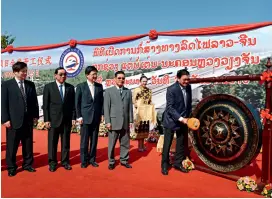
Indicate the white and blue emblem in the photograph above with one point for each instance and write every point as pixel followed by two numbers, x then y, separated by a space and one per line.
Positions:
pixel 72 61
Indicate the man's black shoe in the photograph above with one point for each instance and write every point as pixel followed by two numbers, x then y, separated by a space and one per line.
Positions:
pixel 30 169
pixel 111 166
pixel 52 168
pixel 84 165
pixel 67 166
pixel 164 171
pixel 94 164
pixel 12 173
pixel 128 166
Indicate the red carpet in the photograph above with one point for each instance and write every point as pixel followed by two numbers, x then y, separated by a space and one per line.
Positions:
pixel 143 180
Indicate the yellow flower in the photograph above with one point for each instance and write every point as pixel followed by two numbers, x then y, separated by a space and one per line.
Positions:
pixel 265 191
pixel 240 187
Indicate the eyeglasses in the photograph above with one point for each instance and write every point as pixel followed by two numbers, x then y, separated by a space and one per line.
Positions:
pixel 121 78
pixel 186 79
pixel 62 74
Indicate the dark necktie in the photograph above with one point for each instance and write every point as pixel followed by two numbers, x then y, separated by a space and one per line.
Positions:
pixel 23 94
pixel 61 92
pixel 120 92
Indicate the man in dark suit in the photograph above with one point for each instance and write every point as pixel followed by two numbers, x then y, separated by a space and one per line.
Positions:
pixel 89 111
pixel 178 109
pixel 59 116
pixel 19 110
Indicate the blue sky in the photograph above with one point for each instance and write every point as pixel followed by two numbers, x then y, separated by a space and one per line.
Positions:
pixel 38 22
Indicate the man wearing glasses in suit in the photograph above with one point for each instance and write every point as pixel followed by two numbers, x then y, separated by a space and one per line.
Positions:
pixel 118 113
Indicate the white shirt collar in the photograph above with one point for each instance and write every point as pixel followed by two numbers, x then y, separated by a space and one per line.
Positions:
pixel 19 81
pixel 89 83
pixel 182 88
pixel 119 87
pixel 59 83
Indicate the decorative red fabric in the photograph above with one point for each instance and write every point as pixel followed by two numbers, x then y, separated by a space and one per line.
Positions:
pixel 34 48
pixel 152 33
pixel 73 43
pixel 9 49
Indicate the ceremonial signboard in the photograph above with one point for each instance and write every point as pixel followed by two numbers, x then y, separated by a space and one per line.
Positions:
pixel 229 136
pixel 205 52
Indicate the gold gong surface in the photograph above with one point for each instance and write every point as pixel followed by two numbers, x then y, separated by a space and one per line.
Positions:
pixel 229 136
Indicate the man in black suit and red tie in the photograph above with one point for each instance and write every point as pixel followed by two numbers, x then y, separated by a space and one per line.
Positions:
pixel 178 108
pixel 19 110
pixel 89 110
pixel 59 116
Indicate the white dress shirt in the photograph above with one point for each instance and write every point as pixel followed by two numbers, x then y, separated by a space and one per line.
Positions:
pixel 91 87
pixel 19 83
pixel 118 88
pixel 63 87
pixel 183 89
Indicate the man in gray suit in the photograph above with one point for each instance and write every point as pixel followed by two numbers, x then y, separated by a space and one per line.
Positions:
pixel 118 113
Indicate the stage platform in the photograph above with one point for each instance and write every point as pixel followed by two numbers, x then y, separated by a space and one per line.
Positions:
pixel 143 180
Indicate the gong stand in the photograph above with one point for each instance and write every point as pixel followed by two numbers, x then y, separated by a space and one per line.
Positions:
pixel 266 176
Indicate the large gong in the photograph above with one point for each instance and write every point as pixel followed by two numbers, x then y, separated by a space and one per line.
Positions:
pixel 230 131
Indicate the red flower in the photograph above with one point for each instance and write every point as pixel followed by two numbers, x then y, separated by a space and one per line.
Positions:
pixel 266 76
pixel 72 43
pixel 9 48
pixel 265 115
pixel 268 187
pixel 153 34
pixel 189 163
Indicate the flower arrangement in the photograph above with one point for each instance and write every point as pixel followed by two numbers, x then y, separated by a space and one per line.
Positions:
pixel 267 191
pixel 246 184
pixel 75 128
pixel 40 125
pixel 103 131
pixel 133 135
pixel 153 137
pixel 188 164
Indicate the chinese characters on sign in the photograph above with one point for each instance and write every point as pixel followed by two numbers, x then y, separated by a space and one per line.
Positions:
pixel 33 61
pixel 30 73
